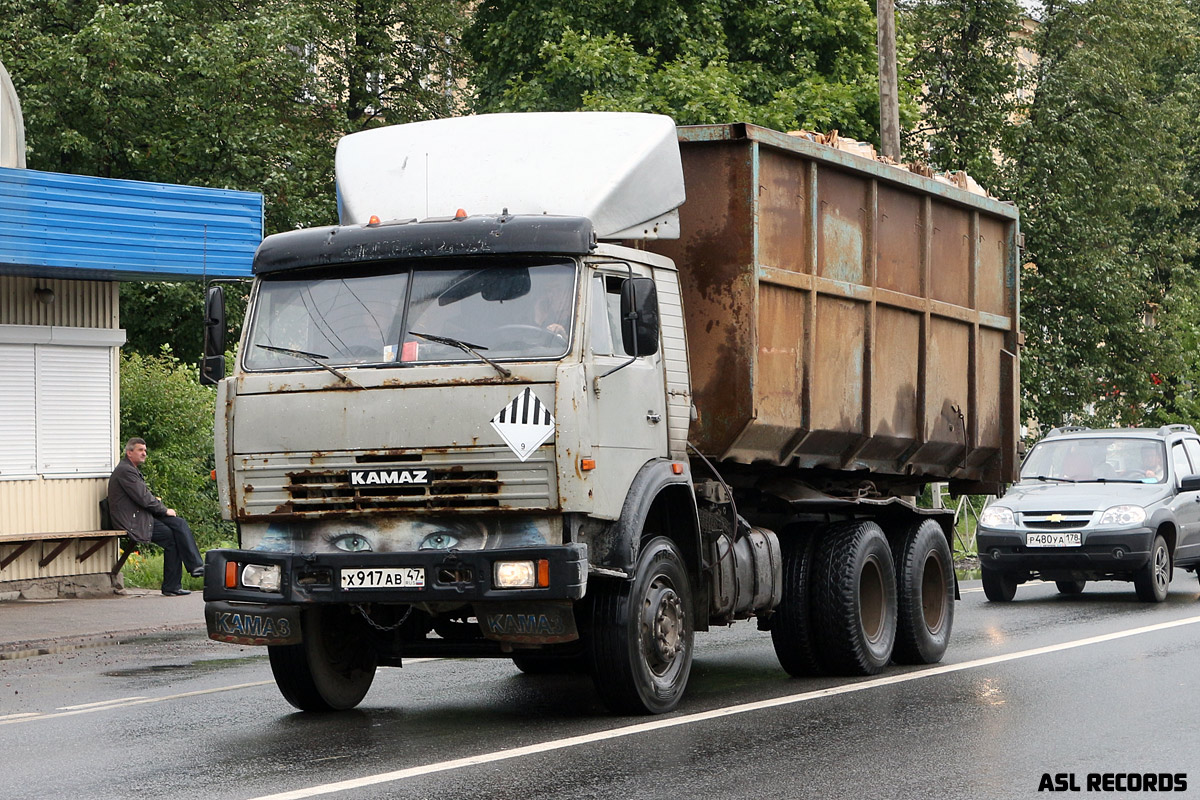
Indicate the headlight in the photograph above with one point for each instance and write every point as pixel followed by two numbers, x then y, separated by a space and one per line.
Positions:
pixel 997 517
pixel 1124 516
pixel 262 577
pixel 521 574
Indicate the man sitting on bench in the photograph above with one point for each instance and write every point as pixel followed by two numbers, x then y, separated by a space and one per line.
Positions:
pixel 144 517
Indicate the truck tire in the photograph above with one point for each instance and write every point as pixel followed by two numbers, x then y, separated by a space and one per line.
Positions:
pixel 1152 581
pixel 999 587
pixel 791 624
pixel 641 644
pixel 854 598
pixel 332 668
pixel 924 593
pixel 1070 587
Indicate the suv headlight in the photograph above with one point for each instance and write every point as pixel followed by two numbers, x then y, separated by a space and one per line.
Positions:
pixel 1125 516
pixel 997 517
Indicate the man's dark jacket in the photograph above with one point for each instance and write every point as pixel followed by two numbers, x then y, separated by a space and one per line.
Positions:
pixel 130 503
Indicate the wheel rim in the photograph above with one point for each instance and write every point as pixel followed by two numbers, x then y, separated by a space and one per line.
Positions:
pixel 1161 569
pixel 872 602
pixel 933 596
pixel 662 626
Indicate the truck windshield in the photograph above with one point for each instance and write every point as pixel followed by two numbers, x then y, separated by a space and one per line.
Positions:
pixel 502 312
pixel 1096 459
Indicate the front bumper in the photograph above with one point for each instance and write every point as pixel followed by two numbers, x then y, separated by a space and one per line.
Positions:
pixel 455 576
pixel 1103 552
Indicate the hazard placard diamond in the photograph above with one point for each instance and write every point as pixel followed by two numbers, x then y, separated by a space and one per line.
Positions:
pixel 524 424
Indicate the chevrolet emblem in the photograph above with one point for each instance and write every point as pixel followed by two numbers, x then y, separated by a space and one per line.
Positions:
pixel 1056 518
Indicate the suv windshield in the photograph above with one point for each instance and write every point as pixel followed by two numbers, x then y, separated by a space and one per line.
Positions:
pixel 514 311
pixel 1096 459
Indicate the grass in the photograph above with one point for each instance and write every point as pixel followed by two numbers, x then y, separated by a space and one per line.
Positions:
pixel 144 570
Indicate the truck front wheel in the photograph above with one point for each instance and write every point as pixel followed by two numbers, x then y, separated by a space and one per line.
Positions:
pixel 854 598
pixel 332 668
pixel 641 648
pixel 925 593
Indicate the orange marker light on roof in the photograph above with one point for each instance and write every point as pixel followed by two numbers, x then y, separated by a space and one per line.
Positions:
pixel 374 220
pixel 460 214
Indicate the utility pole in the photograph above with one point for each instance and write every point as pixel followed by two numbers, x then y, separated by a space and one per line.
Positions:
pixel 889 99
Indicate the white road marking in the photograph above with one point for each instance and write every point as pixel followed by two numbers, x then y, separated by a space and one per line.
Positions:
pixel 717 713
pixel 103 703
pixel 126 702
pixel 92 708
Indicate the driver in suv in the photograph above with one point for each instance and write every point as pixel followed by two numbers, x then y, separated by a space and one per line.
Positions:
pixel 1097 504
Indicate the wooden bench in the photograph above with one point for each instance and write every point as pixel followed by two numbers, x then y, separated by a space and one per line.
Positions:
pixel 24 541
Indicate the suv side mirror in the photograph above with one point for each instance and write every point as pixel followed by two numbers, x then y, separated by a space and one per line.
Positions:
pixel 639 316
pixel 212 368
pixel 1191 483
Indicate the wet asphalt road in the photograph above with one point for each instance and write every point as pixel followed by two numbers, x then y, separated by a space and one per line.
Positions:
pixel 1093 684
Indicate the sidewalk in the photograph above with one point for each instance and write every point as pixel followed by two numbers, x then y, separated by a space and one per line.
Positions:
pixel 38 627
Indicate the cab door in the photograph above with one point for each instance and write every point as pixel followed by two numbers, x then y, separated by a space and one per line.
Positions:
pixel 626 394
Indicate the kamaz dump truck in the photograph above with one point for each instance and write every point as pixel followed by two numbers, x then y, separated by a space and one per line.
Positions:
pixel 530 400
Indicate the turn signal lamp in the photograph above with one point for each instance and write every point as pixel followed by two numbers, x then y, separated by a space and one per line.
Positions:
pixel 231 574
pixel 263 577
pixel 587 464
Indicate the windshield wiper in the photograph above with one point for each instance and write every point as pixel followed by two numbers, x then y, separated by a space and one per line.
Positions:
pixel 1052 478
pixel 312 358
pixel 466 347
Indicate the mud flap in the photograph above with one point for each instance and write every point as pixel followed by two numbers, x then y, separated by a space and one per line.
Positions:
pixel 240 623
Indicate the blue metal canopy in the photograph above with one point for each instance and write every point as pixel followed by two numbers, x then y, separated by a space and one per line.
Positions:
pixel 76 226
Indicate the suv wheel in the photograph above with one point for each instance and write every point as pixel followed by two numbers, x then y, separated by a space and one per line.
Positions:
pixel 1152 580
pixel 999 587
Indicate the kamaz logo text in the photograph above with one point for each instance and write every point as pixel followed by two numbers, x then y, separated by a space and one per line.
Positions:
pixel 388 477
pixel 254 625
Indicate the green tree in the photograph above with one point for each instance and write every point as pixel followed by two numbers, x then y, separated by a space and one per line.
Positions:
pixel 1100 170
pixel 965 68
pixel 780 63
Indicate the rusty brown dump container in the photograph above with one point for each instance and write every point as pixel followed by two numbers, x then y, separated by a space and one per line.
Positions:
pixel 846 315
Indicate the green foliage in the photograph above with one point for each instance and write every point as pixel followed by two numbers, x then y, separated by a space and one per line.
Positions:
pixel 1107 214
pixel 163 403
pixel 965 64
pixel 780 63
pixel 235 94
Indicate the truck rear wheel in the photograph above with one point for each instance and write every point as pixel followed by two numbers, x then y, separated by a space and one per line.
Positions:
pixel 854 598
pixel 641 648
pixel 924 593
pixel 791 624
pixel 332 668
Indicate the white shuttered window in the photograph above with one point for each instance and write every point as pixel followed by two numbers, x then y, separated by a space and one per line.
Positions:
pixel 56 409
pixel 18 417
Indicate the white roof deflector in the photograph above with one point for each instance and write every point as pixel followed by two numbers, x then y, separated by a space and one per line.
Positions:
pixel 620 170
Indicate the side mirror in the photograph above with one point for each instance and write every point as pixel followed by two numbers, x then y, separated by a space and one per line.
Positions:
pixel 1190 484
pixel 639 316
pixel 212 368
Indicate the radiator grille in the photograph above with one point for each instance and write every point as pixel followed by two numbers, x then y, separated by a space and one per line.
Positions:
pixel 467 479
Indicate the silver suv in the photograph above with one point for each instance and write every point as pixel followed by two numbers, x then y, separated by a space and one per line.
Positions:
pixel 1097 504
